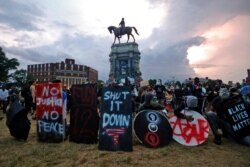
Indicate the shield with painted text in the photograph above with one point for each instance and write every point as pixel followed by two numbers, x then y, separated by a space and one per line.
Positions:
pixel 152 128
pixel 238 115
pixel 191 133
pixel 84 119
pixel 116 119
pixel 49 112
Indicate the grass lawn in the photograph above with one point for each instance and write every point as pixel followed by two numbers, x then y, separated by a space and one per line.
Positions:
pixel 33 153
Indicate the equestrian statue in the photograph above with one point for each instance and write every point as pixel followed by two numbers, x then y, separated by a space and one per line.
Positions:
pixel 122 30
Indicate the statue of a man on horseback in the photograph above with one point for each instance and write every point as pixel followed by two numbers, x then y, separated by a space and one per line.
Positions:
pixel 122 30
pixel 122 26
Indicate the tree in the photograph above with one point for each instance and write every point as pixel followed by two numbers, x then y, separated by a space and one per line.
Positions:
pixel 152 82
pixel 20 77
pixel 178 83
pixel 6 65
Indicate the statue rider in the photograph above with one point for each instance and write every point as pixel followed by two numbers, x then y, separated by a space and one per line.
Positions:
pixel 122 26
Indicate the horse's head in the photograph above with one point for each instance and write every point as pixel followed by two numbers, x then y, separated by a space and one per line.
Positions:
pixel 110 28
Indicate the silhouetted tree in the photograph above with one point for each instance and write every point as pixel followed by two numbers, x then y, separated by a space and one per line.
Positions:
pixel 178 83
pixel 6 65
pixel 21 77
pixel 152 82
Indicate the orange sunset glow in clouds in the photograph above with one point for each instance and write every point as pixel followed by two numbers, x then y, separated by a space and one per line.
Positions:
pixel 223 41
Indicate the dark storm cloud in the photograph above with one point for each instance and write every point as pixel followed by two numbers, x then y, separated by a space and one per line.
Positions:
pixel 166 61
pixel 36 55
pixel 163 54
pixel 92 51
pixel 19 15
pixel 184 20
pixel 87 50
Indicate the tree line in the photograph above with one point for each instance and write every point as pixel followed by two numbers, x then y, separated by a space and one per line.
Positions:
pixel 7 65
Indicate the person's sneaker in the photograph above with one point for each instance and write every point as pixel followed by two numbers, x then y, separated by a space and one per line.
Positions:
pixel 217 139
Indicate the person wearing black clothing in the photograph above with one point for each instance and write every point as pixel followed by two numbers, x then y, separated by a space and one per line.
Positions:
pixel 99 96
pixel 26 94
pixel 17 120
pixel 151 103
pixel 191 103
pixel 197 91
pixel 214 121
pixel 178 94
pixel 218 119
pixel 160 92
pixel 13 94
pixel 4 93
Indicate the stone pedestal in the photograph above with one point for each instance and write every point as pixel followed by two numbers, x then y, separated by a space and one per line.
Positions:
pixel 124 61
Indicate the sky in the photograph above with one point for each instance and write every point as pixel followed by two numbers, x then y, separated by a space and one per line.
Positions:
pixel 178 38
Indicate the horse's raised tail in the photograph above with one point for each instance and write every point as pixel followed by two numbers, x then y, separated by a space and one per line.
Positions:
pixel 135 30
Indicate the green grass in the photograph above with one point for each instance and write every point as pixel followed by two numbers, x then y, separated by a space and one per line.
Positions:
pixel 32 153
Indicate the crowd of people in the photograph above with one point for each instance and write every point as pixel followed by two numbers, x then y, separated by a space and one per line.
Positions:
pixel 24 95
pixel 168 99
pixel 198 96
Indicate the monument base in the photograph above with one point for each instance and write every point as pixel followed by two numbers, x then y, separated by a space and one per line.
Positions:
pixel 124 62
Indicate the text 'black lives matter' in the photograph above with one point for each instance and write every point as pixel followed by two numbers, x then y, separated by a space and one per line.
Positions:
pixel 238 114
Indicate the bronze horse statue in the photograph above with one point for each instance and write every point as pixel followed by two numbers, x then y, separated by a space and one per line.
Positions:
pixel 118 33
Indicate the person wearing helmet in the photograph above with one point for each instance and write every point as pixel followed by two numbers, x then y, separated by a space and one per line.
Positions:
pixel 151 103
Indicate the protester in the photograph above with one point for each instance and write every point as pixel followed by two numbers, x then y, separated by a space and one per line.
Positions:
pixel 4 93
pixel 26 94
pixel 151 103
pixel 223 92
pixel 143 91
pixel 160 91
pixel 13 94
pixel 111 82
pixel 17 121
pixel 245 92
pixel 169 100
pixel 99 97
pixel 68 94
pixel 218 119
pixel 189 103
pixel 197 91
pixel 33 94
pixel 178 95
pixel 134 95
pixel 244 83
